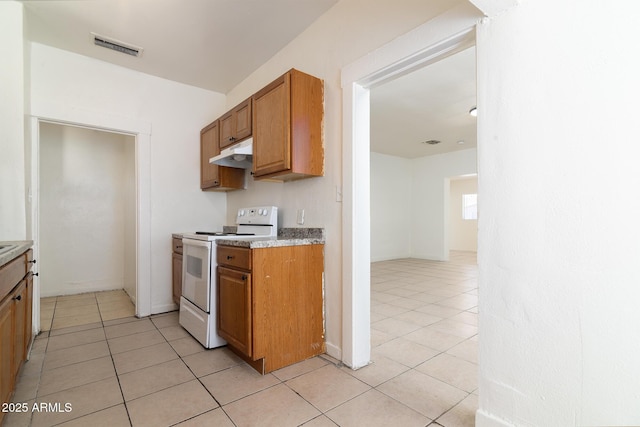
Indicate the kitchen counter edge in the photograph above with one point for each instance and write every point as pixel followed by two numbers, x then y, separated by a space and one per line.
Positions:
pixel 286 237
pixel 21 246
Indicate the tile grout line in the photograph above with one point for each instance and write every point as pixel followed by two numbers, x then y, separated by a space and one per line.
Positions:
pixel 433 422
pixel 110 355
pixel 124 402
pixel 195 376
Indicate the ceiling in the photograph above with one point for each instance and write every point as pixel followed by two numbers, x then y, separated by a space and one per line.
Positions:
pixel 432 103
pixel 216 44
pixel 212 44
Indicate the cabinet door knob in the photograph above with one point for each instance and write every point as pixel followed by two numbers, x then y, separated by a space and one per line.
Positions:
pixel 244 277
pixel 230 257
pixel 18 297
pixel 33 261
pixel 231 138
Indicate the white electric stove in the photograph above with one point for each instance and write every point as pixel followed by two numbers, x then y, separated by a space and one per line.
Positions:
pixel 198 301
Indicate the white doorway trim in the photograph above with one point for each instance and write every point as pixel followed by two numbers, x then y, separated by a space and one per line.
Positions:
pixel 142 134
pixel 445 35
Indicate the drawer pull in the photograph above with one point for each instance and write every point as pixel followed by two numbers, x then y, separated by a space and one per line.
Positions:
pixel 179 247
pixel 230 257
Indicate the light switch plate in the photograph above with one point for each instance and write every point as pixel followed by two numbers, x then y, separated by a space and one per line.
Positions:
pixel 300 219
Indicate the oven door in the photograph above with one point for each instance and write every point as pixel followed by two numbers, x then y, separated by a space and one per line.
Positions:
pixel 196 273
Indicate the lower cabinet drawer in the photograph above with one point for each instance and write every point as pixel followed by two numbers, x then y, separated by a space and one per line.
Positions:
pixel 233 256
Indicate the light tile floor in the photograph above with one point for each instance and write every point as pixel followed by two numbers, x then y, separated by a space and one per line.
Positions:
pixel 117 370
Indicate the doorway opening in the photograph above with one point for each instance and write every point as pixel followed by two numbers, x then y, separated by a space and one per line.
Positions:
pixel 423 297
pixel 438 39
pixel 132 202
pixel 87 211
pixel 463 213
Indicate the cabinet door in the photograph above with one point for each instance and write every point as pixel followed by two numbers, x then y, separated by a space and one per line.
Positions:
pixel 234 308
pixel 242 120
pixel 209 148
pixel 6 349
pixel 271 128
pixel 176 269
pixel 28 315
pixel 214 177
pixel 235 125
pixel 19 328
pixel 227 136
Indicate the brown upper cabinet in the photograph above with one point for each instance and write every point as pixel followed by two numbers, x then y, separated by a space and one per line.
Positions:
pixel 235 125
pixel 214 177
pixel 287 128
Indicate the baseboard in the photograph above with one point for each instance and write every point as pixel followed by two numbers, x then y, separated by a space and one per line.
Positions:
pixel 484 419
pixel 131 297
pixel 389 257
pixel 163 308
pixel 83 288
pixel 333 350
pixel 429 257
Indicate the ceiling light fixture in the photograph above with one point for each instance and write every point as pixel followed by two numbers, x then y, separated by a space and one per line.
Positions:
pixel 473 111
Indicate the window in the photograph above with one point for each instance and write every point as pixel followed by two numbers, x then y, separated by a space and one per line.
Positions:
pixel 469 206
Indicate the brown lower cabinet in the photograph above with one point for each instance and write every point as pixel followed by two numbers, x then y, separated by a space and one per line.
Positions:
pixel 270 303
pixel 176 269
pixel 15 320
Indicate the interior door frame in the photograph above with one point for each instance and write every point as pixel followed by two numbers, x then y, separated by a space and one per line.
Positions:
pixel 141 131
pixel 443 36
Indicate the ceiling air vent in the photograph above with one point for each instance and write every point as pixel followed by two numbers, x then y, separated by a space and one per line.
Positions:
pixel 116 45
pixel 432 142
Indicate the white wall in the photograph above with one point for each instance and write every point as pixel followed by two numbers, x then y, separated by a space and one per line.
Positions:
pixel 12 161
pixel 391 197
pixel 430 210
pixel 66 84
pixel 559 234
pixel 84 215
pixel 463 233
pixel 411 193
pixel 348 31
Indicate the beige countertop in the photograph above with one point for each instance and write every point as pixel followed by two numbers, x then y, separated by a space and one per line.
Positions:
pixel 11 249
pixel 268 242
pixel 286 237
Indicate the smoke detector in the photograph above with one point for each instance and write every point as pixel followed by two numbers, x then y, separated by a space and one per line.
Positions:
pixel 432 142
pixel 117 45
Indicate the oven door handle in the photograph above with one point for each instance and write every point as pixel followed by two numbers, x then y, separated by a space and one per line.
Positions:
pixel 192 242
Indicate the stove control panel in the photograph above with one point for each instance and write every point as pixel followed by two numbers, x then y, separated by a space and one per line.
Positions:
pixel 262 215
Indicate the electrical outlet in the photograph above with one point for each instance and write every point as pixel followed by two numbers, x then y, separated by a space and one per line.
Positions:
pixel 300 216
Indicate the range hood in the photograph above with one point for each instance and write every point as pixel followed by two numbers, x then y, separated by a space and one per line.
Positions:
pixel 237 156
